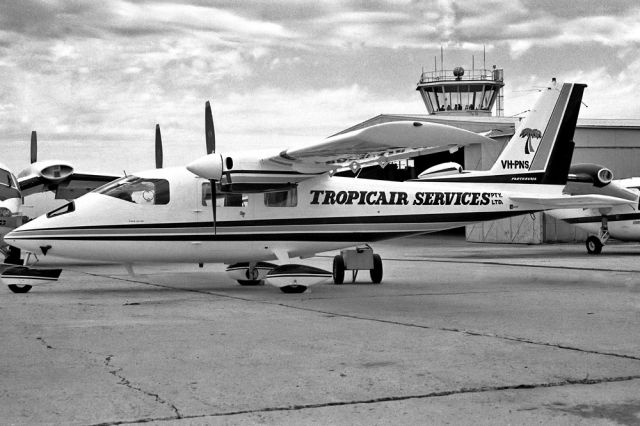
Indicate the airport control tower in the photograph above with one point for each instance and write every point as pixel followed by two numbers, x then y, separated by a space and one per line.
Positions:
pixel 459 92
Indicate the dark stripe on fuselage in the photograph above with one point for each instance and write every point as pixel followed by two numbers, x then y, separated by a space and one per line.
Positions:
pixel 533 177
pixel 598 219
pixel 399 219
pixel 303 236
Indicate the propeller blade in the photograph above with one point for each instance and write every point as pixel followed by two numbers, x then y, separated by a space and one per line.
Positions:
pixel 34 146
pixel 208 127
pixel 213 204
pixel 158 147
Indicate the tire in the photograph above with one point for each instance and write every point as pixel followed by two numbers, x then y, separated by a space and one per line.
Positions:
pixel 338 269
pixel 250 282
pixel 19 288
pixel 291 289
pixel 376 272
pixel 594 246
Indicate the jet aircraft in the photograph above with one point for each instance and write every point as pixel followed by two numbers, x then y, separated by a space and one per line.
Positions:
pixel 246 208
pixel 621 222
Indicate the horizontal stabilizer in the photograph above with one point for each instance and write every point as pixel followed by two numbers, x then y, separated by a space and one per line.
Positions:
pixel 572 201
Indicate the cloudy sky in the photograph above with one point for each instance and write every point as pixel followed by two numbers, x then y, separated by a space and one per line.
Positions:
pixel 95 77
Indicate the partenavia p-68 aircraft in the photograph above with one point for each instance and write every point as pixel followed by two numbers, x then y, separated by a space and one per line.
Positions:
pixel 290 204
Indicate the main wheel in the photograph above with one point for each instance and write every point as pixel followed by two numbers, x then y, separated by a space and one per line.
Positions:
pixel 250 282
pixel 338 269
pixel 594 246
pixel 293 289
pixel 19 288
pixel 376 272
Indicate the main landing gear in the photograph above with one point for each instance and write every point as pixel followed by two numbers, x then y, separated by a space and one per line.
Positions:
pixel 361 258
pixel 595 243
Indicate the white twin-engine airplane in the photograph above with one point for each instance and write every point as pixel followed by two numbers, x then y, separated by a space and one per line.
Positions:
pixel 290 204
pixel 40 176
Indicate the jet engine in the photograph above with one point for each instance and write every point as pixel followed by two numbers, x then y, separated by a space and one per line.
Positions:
pixel 598 176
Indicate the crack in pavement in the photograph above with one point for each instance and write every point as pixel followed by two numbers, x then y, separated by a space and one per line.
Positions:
pixel 44 342
pixel 383 321
pixel 117 372
pixel 461 391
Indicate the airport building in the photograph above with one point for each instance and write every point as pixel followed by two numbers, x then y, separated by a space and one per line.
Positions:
pixel 474 101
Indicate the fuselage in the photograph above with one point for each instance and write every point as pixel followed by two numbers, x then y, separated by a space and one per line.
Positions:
pixel 166 215
pixel 623 221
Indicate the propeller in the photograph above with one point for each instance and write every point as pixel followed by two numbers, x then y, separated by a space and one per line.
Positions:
pixel 158 147
pixel 34 146
pixel 210 138
pixel 208 127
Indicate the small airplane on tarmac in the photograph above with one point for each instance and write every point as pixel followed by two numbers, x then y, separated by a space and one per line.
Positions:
pixel 48 175
pixel 246 209
pixel 621 222
pixel 54 176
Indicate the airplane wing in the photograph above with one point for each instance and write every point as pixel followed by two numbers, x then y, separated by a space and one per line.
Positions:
pixel 65 183
pixel 377 144
pixel 572 201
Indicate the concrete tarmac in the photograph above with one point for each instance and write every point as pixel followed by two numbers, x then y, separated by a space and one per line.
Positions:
pixel 457 333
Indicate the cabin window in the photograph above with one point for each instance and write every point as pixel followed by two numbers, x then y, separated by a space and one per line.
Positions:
pixel 138 190
pixel 223 199
pixel 288 198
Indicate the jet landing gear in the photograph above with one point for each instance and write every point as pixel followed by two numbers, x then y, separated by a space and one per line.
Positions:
pixel 360 258
pixel 595 243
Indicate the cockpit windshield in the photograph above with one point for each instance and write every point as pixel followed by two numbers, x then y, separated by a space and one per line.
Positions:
pixel 138 190
pixel 8 186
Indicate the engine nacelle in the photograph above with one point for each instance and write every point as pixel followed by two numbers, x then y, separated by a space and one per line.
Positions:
pixel 595 174
pixel 209 167
pixel 52 171
pixel 443 169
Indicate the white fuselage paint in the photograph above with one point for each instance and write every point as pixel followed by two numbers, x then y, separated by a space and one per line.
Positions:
pixel 331 213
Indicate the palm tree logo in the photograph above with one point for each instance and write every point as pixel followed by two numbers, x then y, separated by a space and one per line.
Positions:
pixel 530 133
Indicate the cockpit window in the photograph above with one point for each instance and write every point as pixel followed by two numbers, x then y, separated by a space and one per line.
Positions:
pixel 8 186
pixel 138 190
pixel 67 208
pixel 5 178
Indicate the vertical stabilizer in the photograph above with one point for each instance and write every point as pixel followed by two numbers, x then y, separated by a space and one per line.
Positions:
pixel 540 151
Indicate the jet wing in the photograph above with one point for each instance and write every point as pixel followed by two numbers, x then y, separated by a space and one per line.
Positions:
pixel 379 144
pixel 572 201
pixel 68 187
